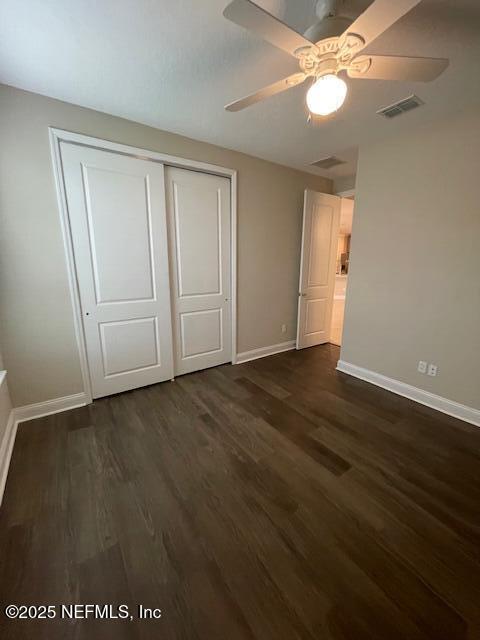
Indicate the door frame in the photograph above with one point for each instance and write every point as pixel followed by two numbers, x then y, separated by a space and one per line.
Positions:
pixel 57 136
pixel 348 193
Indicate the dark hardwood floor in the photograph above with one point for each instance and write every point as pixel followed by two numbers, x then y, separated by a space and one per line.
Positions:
pixel 277 499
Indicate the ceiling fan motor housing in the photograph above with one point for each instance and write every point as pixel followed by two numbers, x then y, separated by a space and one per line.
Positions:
pixel 329 55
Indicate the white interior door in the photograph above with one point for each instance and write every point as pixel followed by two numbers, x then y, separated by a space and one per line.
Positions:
pixel 199 220
pixel 116 207
pixel 321 219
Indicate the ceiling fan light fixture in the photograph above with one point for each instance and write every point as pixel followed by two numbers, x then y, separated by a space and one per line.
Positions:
pixel 330 46
pixel 326 95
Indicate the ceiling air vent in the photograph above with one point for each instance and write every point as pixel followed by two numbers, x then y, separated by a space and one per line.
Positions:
pixel 402 106
pixel 328 163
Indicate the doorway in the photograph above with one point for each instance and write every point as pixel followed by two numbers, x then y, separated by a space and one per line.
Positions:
pixel 321 219
pixel 324 266
pixel 341 269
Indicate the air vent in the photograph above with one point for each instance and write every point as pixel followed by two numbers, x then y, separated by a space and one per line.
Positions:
pixel 407 104
pixel 328 163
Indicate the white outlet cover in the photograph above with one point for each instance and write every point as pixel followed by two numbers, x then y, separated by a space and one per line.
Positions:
pixel 432 370
pixel 422 366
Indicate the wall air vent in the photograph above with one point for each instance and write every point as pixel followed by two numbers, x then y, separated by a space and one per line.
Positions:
pixel 402 106
pixel 328 163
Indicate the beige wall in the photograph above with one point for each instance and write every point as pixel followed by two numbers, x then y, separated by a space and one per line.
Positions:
pixel 414 283
pixel 36 319
pixel 345 183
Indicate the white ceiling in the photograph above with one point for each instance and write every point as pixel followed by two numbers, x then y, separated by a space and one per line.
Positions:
pixel 173 64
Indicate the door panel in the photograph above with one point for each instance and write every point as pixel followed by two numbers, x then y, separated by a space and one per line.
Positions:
pixel 321 219
pixel 121 252
pixel 315 316
pixel 201 332
pixel 319 254
pixel 197 236
pixel 198 209
pixel 139 345
pixel 116 207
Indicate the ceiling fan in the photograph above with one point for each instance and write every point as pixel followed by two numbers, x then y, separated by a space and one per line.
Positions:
pixel 330 46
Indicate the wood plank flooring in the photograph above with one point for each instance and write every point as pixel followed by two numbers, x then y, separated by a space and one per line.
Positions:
pixel 278 499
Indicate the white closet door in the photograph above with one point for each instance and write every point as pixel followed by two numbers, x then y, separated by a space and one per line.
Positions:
pixel 321 220
pixel 198 209
pixel 116 207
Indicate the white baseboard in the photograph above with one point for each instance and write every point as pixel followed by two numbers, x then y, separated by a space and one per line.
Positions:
pixel 254 354
pixel 40 409
pixel 30 412
pixel 455 409
pixel 6 448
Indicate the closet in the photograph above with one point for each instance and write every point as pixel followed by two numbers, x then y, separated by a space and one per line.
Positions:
pixel 152 255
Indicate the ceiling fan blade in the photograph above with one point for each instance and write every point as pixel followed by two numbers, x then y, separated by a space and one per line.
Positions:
pixel 266 92
pixel 378 17
pixel 250 16
pixel 398 68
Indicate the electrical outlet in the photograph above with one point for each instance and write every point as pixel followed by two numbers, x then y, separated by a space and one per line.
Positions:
pixel 284 328
pixel 432 370
pixel 422 366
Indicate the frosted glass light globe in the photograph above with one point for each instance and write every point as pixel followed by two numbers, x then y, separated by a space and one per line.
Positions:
pixel 326 95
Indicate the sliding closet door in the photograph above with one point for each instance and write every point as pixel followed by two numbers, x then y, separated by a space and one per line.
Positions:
pixel 116 207
pixel 198 209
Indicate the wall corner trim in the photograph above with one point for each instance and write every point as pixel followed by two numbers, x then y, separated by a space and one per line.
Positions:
pixel 254 354
pixel 6 449
pixel 450 407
